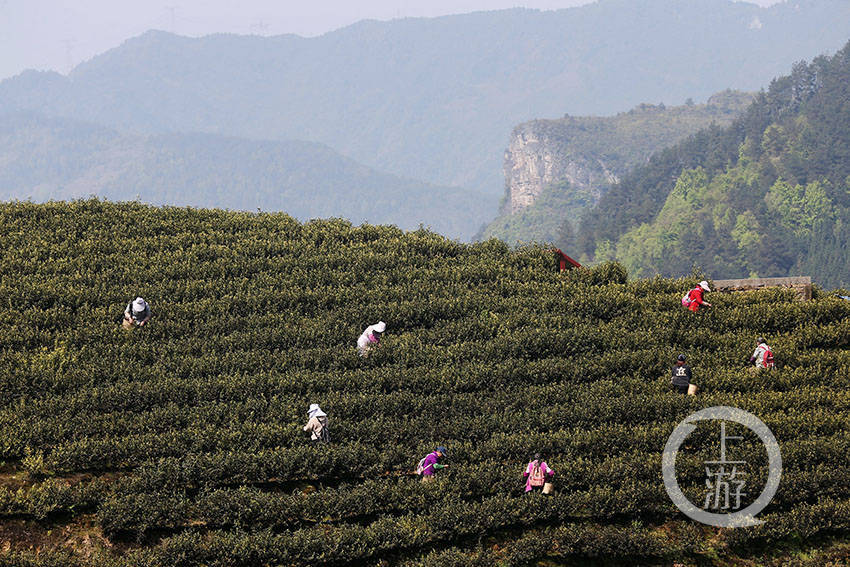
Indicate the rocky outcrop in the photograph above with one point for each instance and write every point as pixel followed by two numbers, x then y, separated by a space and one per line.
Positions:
pixel 536 159
pixel 556 170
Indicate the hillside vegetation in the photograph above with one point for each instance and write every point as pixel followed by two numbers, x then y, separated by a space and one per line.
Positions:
pixel 620 142
pixel 50 158
pixel 435 99
pixel 768 195
pixel 180 443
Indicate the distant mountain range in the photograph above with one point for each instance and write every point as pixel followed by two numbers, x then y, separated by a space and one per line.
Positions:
pixel 436 99
pixel 51 158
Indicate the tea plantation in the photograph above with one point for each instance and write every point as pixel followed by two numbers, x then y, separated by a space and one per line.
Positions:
pixel 180 443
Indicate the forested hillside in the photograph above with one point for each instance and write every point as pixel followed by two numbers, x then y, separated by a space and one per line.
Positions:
pixel 436 99
pixel 767 196
pixel 43 158
pixel 564 165
pixel 180 444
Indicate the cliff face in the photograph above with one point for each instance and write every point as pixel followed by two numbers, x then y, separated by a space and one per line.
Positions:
pixel 556 170
pixel 535 159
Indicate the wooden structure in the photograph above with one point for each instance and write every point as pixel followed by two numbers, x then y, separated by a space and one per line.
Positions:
pixel 565 262
pixel 802 285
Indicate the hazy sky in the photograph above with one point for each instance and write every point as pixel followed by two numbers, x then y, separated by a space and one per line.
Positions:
pixel 58 34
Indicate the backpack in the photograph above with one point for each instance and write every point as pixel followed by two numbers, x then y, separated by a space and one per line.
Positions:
pixel 537 478
pixel 767 357
pixel 686 300
pixel 324 434
pixel 420 466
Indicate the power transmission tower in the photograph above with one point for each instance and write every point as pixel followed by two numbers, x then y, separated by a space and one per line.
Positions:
pixel 69 44
pixel 260 27
pixel 172 10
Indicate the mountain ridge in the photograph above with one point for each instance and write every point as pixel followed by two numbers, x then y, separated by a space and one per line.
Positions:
pixel 51 158
pixel 556 169
pixel 435 98
pixel 768 195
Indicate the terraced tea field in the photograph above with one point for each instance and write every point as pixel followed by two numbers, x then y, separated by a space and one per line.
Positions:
pixel 180 443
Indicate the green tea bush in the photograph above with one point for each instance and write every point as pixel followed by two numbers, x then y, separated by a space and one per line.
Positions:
pixel 183 438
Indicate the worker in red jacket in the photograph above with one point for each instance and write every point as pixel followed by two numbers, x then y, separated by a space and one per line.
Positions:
pixel 694 299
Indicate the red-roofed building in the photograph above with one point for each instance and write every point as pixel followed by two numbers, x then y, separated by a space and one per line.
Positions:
pixel 565 262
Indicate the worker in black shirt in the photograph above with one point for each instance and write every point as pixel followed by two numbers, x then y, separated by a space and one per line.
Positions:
pixel 681 375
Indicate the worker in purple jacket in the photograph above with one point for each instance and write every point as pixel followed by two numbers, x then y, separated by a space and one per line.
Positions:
pixel 430 464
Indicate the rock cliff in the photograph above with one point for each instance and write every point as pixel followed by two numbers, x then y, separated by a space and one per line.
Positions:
pixel 556 169
pixel 536 158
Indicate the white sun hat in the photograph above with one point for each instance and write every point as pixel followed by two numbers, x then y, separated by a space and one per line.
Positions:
pixel 139 304
pixel 381 327
pixel 704 285
pixel 315 411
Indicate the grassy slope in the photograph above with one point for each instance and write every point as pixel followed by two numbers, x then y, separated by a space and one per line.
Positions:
pixel 181 442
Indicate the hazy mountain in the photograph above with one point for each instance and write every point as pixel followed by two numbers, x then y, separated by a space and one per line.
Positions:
pixel 436 99
pixel 43 159
pixel 768 195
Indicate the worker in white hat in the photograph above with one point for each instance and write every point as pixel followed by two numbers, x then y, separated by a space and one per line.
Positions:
pixel 317 424
pixel 370 338
pixel 693 300
pixel 137 313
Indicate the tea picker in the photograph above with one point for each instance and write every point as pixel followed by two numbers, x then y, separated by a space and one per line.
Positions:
pixel 429 464
pixel 535 475
pixel 137 313
pixel 681 379
pixel 693 300
pixel 370 338
pixel 317 425
pixel 763 355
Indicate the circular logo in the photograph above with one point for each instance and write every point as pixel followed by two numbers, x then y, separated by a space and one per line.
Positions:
pixel 741 518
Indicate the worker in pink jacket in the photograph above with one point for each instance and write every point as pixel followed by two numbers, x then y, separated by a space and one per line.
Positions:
pixel 537 473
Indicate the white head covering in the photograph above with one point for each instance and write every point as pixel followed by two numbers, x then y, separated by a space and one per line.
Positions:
pixel 315 411
pixel 380 327
pixel 704 285
pixel 139 305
